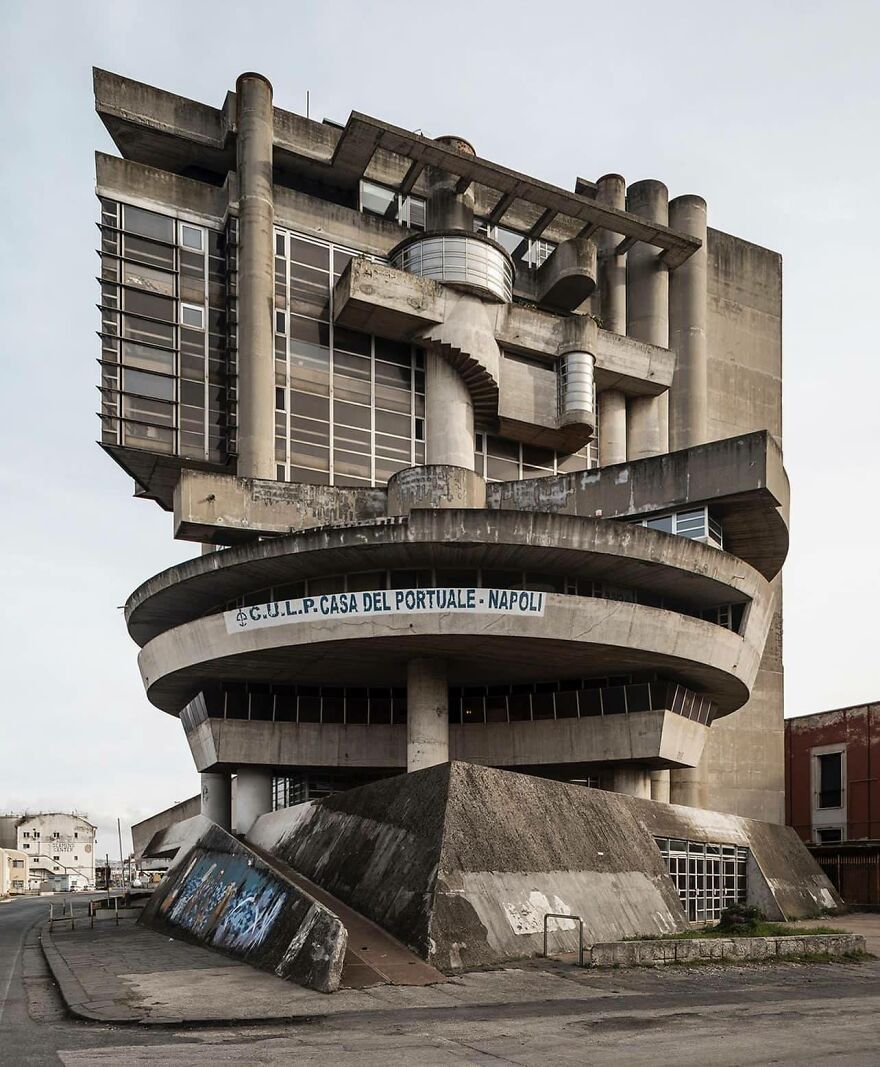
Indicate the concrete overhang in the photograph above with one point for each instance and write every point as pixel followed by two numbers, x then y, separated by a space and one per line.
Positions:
pixel 741 478
pixel 658 739
pixel 153 126
pixel 684 571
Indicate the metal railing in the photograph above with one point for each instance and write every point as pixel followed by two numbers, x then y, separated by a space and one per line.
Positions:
pixel 573 918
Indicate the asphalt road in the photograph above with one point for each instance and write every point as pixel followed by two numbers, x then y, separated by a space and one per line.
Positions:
pixel 709 1017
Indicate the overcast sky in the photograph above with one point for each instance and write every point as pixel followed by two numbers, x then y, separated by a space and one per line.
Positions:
pixel 769 111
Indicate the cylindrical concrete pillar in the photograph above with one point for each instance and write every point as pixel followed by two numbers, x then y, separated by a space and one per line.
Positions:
pixel 688 785
pixel 216 798
pixel 660 786
pixel 449 209
pixel 633 779
pixel 647 316
pixel 253 797
pixel 449 415
pixel 427 714
pixel 256 293
pixel 611 191
pixel 689 397
pixel 612 427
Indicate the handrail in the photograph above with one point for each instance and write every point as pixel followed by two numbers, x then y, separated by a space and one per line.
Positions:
pixel 574 918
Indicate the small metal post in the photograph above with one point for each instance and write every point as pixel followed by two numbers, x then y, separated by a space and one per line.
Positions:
pixel 573 918
pixel 116 908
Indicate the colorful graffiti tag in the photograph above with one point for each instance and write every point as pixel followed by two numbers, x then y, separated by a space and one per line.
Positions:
pixel 224 901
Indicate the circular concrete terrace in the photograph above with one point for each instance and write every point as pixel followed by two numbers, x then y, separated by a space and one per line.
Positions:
pixel 178 615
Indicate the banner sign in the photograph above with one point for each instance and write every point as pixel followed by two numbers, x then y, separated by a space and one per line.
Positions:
pixel 387 602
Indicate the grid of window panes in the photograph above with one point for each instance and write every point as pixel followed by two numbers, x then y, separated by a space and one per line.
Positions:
pixel 287 791
pixel 698 524
pixel 524 250
pixel 527 702
pixel 164 363
pixel 499 459
pixel 376 199
pixel 708 877
pixel 349 407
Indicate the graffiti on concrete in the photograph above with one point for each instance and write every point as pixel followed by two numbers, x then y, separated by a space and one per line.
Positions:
pixel 224 901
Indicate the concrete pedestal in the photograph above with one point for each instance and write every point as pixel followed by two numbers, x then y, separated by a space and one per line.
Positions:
pixel 217 799
pixel 427 714
pixel 253 798
pixel 632 779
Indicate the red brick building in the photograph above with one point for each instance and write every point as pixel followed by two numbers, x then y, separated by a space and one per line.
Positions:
pixel 832 795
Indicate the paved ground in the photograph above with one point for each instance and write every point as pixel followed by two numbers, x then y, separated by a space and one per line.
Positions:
pixel 799 1016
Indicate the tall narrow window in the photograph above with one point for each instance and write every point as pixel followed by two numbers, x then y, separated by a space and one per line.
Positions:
pixel 830 780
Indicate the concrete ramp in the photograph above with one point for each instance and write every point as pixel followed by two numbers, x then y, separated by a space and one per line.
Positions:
pixel 222 894
pixel 372 955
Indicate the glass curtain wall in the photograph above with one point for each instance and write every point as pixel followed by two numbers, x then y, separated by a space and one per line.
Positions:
pixel 164 363
pixel 349 408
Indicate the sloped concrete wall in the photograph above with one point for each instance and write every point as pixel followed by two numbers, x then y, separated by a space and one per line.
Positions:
pixel 784 879
pixel 376 848
pixel 221 894
pixel 462 862
pixel 517 847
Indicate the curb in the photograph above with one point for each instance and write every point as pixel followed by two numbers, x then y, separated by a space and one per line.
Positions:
pixel 76 999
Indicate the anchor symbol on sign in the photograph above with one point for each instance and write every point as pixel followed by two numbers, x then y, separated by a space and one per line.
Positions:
pixel 241 617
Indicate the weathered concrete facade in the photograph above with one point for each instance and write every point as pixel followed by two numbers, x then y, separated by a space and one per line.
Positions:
pixel 491 469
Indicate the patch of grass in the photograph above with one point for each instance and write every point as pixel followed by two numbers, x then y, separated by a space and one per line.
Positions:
pixel 761 929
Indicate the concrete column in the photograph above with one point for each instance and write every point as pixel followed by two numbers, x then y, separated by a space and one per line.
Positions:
pixel 256 292
pixel 449 209
pixel 449 415
pixel 633 779
pixel 612 427
pixel 660 786
pixel 688 786
pixel 253 797
pixel 427 714
pixel 688 397
pixel 611 191
pixel 647 316
pixel 217 799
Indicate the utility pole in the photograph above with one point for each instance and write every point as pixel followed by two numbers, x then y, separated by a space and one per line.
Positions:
pixel 121 860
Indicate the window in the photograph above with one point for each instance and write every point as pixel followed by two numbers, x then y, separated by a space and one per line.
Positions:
pixel 708 877
pixel 532 252
pixel 191 237
pixel 826 835
pixel 830 780
pixel 26 833
pixel 697 524
pixel 190 315
pixel 380 200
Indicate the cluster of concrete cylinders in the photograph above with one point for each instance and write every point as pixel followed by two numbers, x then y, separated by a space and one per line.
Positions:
pixel 639 297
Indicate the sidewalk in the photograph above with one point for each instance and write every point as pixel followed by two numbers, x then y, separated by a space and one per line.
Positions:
pixel 127 974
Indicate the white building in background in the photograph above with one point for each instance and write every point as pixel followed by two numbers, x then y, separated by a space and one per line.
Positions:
pixel 60 848
pixel 13 872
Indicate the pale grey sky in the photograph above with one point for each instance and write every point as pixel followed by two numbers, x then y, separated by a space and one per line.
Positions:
pixel 769 111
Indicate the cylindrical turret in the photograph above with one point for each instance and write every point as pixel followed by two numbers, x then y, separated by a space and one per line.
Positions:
pixel 688 397
pixel 256 357
pixel 449 415
pixel 647 316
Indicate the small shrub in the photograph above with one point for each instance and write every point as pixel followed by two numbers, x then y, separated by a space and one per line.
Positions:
pixel 742 919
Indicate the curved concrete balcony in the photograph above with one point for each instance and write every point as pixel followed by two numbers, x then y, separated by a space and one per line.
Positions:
pixel 568 277
pixel 188 639
pixel 465 261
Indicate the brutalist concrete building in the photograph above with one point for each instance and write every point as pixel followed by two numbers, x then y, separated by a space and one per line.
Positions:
pixel 483 469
